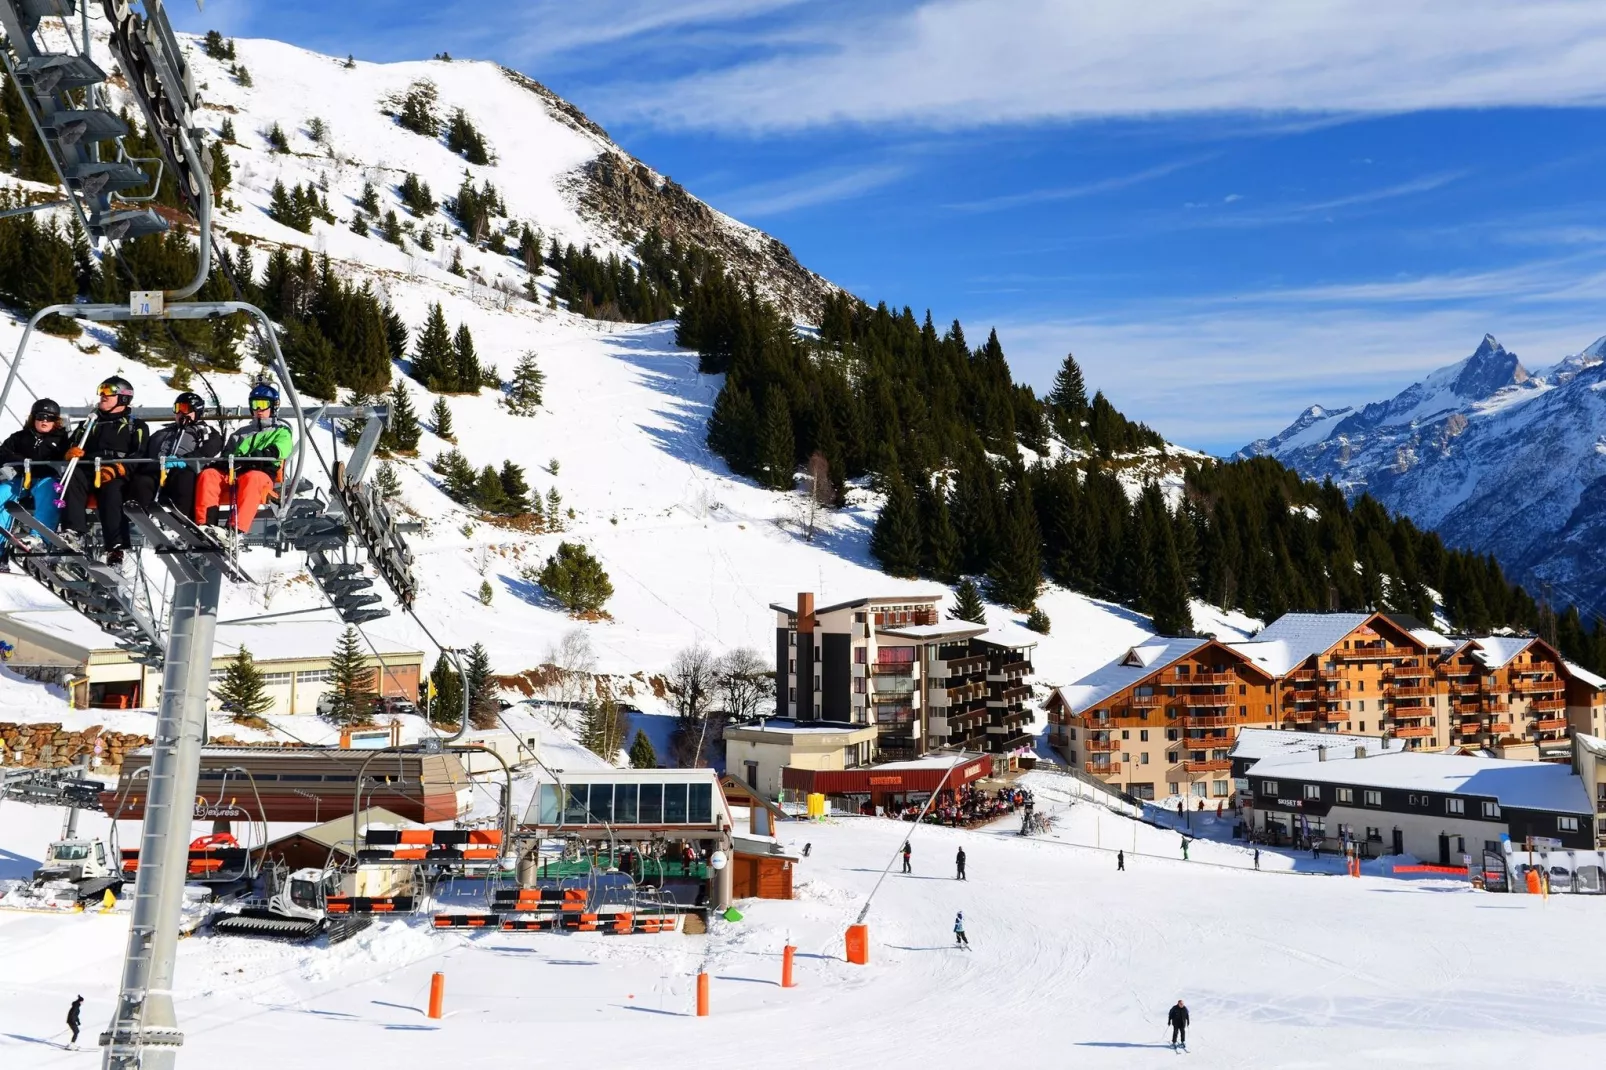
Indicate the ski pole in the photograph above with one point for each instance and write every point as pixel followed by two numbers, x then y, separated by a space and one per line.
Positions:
pixel 61 488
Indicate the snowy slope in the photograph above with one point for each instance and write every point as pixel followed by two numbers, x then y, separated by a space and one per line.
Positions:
pixel 694 554
pixel 1491 456
pixel 1072 964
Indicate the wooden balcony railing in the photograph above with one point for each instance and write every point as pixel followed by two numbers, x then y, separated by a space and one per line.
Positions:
pixel 1104 745
pixel 1215 765
pixel 1147 702
pixel 1104 768
pixel 1206 720
pixel 1551 724
pixel 1537 686
pixel 1199 679
pixel 1208 701
pixel 892 668
pixel 1548 704
pixel 1370 653
pixel 1500 728
pixel 1408 692
pixel 1406 672
pixel 1413 731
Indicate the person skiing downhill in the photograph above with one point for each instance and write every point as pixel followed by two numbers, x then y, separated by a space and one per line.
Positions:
pixel 960 939
pixel 1179 1026
pixel 906 852
pixel 959 863
pixel 73 1019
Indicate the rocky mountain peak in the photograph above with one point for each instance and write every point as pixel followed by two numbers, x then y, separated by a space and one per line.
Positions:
pixel 1490 369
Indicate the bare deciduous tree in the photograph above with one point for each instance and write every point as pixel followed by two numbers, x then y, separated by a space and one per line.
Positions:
pixel 818 493
pixel 693 684
pixel 744 683
pixel 575 663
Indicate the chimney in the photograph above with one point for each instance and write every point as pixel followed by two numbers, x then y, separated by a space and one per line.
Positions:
pixel 1321 753
pixel 805 612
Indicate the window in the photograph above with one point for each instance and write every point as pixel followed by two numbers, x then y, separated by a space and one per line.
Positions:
pixel 674 804
pixel 624 798
pixel 1373 798
pixel 1362 705
pixel 791 667
pixel 1268 788
pixel 1243 711
pixel 699 804
pixel 860 653
pixel 1566 824
pixel 1143 759
pixel 1126 733
pixel 1199 789
pixel 315 676
pixel 1491 810
pixel 1374 834
pixel 1313 791
pixel 791 639
pixel 1344 795
pixel 601 803
pixel 1455 806
pixel 791 694
pixel 1143 735
pixel 1173 788
pixel 1171 756
pixel 1219 789
pixel 652 804
pixel 858 685
pixel 1491 845
pixel 1171 734
pixel 1363 726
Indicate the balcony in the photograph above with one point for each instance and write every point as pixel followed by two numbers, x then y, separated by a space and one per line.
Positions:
pixel 1411 713
pixel 1207 701
pixel 1200 679
pixel 1215 765
pixel 1104 745
pixel 1548 704
pixel 1104 768
pixel 1408 692
pixel 1206 720
pixel 892 668
pixel 1463 689
pixel 1406 672
pixel 1147 702
pixel 1305 676
pixel 1551 724
pixel 1414 731
pixel 1500 728
pixel 1018 693
pixel 1374 653
pixel 1537 686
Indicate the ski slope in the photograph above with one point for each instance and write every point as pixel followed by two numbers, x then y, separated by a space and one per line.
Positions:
pixel 1071 964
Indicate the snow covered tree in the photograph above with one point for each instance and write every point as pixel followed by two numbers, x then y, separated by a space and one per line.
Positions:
pixel 576 579
pixel 967 603
pixel 440 418
pixel 525 391
pixel 895 540
pixel 241 693
pixel 403 433
pixel 642 756
pixel 352 692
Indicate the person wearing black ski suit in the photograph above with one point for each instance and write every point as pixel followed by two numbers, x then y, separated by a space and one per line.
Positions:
pixel 1179 1024
pixel 187 436
pixel 117 436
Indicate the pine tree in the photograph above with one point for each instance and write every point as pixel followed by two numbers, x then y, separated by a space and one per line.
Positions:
pixel 777 449
pixel 386 482
pixel 440 419
pixel 434 361
pixel 525 391
pixel 642 755
pixel 1069 400
pixel 1037 621
pixel 482 705
pixel 369 201
pixel 391 228
pixel 352 681
pixel 488 491
pixel 418 110
pixel 575 579
pixel 463 139
pixel 213 45
pixel 226 131
pixel 515 491
pixel 967 603
pixel 396 334
pixel 1017 570
pixel 359 225
pixel 486 592
pixel 403 433
pixel 469 373
pixel 458 478
pixel 241 692
pixel 733 429
pixel 456 266
pixel 895 541
pixel 277 142
pixel 939 554
pixel 426 238
pixel 554 509
pixel 317 130
pixel 446 707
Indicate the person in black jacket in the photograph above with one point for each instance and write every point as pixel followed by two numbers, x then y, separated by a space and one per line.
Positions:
pixel 189 435
pixel 28 465
pixel 115 437
pixel 959 862
pixel 906 868
pixel 73 1021
pixel 1179 1025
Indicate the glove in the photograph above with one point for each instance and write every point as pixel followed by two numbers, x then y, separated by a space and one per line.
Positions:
pixel 174 462
pixel 8 473
pixel 74 452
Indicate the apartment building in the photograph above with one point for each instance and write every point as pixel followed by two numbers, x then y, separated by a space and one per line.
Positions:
pixel 1161 719
pixel 893 663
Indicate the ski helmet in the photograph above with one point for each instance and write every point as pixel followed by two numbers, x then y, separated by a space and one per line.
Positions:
pixel 189 403
pixel 44 409
pixel 117 387
pixel 264 392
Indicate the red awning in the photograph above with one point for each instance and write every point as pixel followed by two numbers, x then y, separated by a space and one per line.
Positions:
pixel 894 779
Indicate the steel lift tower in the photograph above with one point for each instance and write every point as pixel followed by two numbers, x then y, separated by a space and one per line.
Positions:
pixel 47 52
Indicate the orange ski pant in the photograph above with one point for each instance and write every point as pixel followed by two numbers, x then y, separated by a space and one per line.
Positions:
pixel 251 489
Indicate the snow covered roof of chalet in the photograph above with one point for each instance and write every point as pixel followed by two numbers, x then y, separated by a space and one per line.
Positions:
pixel 1140 661
pixel 1293 637
pixel 948 629
pixel 1525 785
pixel 1583 675
pixel 1009 635
pixel 1257 744
pixel 1436 641
pixel 1498 650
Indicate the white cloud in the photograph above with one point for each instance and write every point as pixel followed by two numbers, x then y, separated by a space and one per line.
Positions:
pixel 963 63
pixel 808 190
pixel 1085 189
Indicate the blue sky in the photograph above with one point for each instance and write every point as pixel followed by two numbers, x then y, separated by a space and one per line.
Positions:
pixel 1227 209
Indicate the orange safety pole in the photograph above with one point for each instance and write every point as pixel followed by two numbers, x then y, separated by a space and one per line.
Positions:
pixel 702 995
pixel 437 994
pixel 786 967
pixel 859 945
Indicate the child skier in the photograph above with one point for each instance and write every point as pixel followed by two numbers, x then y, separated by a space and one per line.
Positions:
pixel 960 939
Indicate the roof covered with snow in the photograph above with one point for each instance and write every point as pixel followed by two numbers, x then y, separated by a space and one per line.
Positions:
pixel 948 629
pixel 1583 675
pixel 1524 785
pixel 1137 663
pixel 1496 651
pixel 1293 637
pixel 1009 635
pixel 1257 744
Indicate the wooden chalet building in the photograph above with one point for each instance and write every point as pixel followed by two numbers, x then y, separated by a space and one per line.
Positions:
pixel 1362 673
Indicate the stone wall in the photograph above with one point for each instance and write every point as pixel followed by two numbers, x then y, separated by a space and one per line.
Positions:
pixel 50 746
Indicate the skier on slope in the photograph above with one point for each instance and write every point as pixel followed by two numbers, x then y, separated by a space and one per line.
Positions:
pixel 73 1019
pixel 1184 848
pixel 959 863
pixel 960 939
pixel 1179 1026
pixel 906 852
pixel 1257 858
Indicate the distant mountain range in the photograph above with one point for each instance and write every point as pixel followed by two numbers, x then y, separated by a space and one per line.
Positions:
pixel 1489 454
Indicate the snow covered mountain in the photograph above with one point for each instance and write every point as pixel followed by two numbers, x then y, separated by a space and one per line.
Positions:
pixel 1487 453
pixel 695 554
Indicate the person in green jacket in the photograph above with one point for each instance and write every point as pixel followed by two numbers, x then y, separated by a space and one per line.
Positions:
pixel 251 461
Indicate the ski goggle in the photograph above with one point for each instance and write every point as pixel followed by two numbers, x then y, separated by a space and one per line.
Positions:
pixel 261 405
pixel 184 408
pixel 106 390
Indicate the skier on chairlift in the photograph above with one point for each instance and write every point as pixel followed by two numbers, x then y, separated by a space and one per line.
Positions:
pixel 249 465
pixel 188 436
pixel 112 435
pixel 31 453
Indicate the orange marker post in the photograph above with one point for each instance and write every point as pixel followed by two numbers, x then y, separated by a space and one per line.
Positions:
pixel 859 945
pixel 786 967
pixel 437 994
pixel 702 995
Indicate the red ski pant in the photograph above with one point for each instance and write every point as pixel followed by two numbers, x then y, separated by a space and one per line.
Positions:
pixel 250 490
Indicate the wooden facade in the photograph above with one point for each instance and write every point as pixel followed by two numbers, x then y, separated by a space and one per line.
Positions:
pixel 761 876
